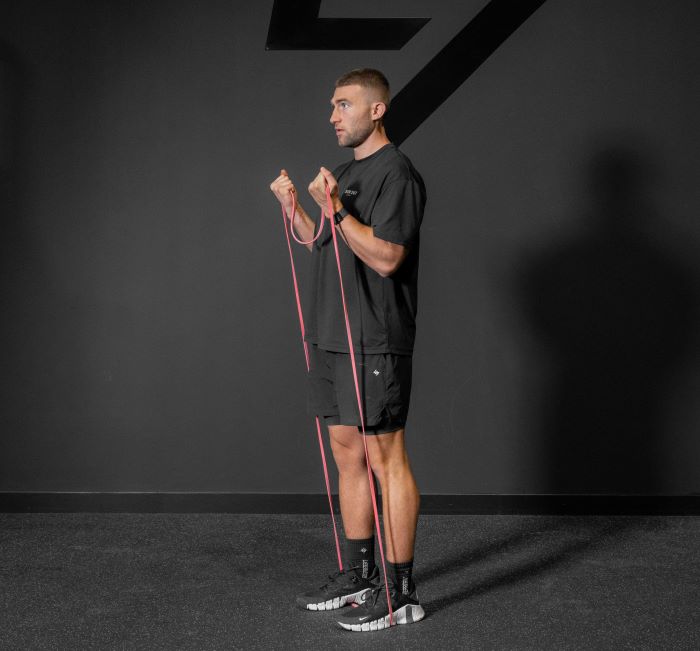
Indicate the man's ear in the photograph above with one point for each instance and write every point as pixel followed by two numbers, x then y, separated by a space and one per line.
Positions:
pixel 378 110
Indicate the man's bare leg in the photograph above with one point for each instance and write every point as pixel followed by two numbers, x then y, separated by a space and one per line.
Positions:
pixel 400 496
pixel 349 587
pixel 353 482
pixel 400 499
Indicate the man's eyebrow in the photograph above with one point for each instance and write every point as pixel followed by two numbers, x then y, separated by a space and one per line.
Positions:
pixel 340 99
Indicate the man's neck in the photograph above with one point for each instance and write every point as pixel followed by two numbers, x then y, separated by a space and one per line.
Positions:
pixel 373 143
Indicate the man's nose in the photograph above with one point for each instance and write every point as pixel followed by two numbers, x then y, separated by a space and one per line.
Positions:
pixel 334 116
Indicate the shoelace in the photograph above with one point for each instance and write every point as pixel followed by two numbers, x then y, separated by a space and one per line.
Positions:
pixel 333 578
pixel 371 601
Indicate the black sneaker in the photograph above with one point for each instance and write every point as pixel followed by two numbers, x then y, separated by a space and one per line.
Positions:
pixel 343 588
pixel 373 614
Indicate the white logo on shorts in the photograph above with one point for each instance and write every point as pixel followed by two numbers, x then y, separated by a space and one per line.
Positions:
pixel 376 372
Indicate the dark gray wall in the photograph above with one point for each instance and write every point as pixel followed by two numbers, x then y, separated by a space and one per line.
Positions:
pixel 149 335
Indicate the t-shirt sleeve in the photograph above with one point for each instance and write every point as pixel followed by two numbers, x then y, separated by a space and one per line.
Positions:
pixel 398 212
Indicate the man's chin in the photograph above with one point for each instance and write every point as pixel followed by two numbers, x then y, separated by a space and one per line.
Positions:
pixel 346 142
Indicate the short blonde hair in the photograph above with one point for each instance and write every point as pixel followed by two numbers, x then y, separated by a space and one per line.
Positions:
pixel 367 78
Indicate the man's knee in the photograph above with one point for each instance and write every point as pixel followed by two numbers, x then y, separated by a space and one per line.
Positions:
pixel 348 449
pixel 387 454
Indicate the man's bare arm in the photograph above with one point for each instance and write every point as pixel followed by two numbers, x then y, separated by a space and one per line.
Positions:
pixel 381 256
pixel 283 188
pixel 303 225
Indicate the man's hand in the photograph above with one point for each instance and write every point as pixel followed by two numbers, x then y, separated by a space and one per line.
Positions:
pixel 281 188
pixel 317 190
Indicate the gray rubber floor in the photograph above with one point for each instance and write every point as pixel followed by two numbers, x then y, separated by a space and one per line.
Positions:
pixel 212 581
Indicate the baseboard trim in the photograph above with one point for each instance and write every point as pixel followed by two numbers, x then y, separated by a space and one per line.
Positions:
pixel 197 502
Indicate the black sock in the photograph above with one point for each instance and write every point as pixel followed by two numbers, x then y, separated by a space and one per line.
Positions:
pixel 400 576
pixel 360 554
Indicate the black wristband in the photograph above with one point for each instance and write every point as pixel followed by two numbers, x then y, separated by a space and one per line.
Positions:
pixel 340 215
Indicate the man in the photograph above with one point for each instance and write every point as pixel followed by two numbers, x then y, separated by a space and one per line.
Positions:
pixel 378 201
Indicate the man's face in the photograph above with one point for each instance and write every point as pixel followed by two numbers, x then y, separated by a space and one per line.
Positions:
pixel 352 115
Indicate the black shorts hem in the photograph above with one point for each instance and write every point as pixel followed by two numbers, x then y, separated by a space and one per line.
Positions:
pixel 370 430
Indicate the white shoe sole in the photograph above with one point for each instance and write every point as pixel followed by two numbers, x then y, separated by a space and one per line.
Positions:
pixel 405 615
pixel 339 602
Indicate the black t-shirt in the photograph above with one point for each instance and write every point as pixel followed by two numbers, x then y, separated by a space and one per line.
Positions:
pixel 386 192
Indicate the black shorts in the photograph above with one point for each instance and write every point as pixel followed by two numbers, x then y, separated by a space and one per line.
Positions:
pixel 385 389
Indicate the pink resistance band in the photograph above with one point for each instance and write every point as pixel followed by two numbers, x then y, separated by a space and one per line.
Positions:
pixel 287 228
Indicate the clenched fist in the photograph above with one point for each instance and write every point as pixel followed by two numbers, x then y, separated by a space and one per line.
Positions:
pixel 317 189
pixel 282 187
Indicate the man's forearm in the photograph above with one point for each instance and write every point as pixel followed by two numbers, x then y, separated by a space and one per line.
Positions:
pixel 303 225
pixel 381 256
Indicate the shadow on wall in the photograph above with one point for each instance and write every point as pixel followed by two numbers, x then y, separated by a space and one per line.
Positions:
pixel 10 85
pixel 16 254
pixel 12 249
pixel 23 276
pixel 614 310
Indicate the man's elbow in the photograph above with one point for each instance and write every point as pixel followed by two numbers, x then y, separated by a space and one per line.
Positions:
pixel 389 268
pixel 391 260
